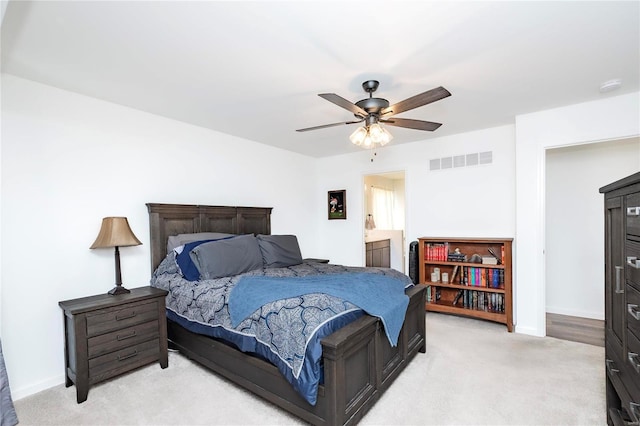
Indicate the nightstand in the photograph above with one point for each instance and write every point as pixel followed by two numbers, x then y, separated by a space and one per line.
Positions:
pixel 106 336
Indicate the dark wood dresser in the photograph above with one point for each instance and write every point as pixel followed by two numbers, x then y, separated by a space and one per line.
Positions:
pixel 622 300
pixel 107 335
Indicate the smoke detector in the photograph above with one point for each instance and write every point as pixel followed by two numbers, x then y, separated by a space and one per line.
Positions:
pixel 611 85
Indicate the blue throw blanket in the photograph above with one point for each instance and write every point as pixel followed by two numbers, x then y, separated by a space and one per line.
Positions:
pixel 378 295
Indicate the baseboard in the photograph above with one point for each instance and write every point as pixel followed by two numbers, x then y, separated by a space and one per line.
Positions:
pixel 26 391
pixel 531 331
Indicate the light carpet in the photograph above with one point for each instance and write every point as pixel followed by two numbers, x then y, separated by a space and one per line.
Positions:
pixel 474 373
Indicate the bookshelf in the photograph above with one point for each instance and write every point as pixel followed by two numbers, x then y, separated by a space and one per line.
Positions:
pixel 468 276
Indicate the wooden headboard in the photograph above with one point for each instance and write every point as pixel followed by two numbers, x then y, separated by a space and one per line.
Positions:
pixel 173 219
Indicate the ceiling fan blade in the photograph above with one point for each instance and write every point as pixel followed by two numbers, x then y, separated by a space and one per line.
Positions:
pixel 412 124
pixel 416 101
pixel 342 102
pixel 329 125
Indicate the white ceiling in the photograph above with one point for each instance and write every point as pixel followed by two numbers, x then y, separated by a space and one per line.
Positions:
pixel 254 69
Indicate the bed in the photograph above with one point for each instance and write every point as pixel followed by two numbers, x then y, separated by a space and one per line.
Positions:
pixel 358 361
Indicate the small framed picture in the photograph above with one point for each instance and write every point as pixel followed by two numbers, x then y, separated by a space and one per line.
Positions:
pixel 337 204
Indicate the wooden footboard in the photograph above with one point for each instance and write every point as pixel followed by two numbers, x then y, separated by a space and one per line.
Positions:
pixel 359 365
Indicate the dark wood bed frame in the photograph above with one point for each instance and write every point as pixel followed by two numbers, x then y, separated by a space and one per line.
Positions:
pixel 359 362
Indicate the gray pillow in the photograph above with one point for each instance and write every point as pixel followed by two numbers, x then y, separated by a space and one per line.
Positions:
pixel 279 251
pixel 224 258
pixel 182 239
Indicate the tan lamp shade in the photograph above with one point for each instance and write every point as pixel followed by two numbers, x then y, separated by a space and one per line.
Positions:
pixel 115 232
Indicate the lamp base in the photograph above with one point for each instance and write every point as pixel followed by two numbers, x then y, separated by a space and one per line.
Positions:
pixel 118 290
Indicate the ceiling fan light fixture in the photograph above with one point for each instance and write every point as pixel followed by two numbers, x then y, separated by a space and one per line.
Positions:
pixel 369 136
pixel 379 135
pixel 358 137
pixel 367 141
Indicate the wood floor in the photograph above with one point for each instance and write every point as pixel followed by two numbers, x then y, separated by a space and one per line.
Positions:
pixel 584 330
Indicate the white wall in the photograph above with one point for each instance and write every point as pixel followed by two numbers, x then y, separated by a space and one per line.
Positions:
pixel 475 201
pixel 574 218
pixel 70 160
pixel 607 119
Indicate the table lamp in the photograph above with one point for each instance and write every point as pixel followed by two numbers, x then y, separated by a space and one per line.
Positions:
pixel 115 232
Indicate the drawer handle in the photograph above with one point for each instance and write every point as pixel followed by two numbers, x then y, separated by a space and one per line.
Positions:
pixel 633 310
pixel 619 271
pixel 126 336
pixel 634 359
pixel 611 366
pixel 131 355
pixel 633 211
pixel 633 262
pixel 634 409
pixel 131 315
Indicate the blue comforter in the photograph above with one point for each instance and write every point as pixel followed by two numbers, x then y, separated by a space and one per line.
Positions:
pixel 287 332
pixel 378 295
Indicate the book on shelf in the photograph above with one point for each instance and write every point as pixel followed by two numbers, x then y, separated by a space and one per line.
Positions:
pixel 481 277
pixel 458 296
pixel 480 301
pixel 436 251
pixel 453 274
pixel 489 260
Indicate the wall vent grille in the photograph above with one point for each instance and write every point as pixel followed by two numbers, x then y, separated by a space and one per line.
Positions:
pixel 464 160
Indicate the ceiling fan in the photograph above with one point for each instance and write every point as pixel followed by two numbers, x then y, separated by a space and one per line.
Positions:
pixel 373 111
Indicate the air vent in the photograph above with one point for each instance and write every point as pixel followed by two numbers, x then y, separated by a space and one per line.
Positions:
pixel 458 161
pixel 464 160
pixel 486 157
pixel 472 159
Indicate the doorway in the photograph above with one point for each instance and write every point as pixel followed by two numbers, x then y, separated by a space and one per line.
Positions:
pixel 384 213
pixel 574 234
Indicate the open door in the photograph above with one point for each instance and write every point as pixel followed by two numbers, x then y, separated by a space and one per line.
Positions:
pixel 384 225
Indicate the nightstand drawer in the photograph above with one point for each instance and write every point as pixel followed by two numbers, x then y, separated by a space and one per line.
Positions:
pixel 114 363
pixel 109 342
pixel 106 320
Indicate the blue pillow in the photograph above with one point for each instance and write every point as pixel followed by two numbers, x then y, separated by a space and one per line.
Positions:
pixel 185 263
